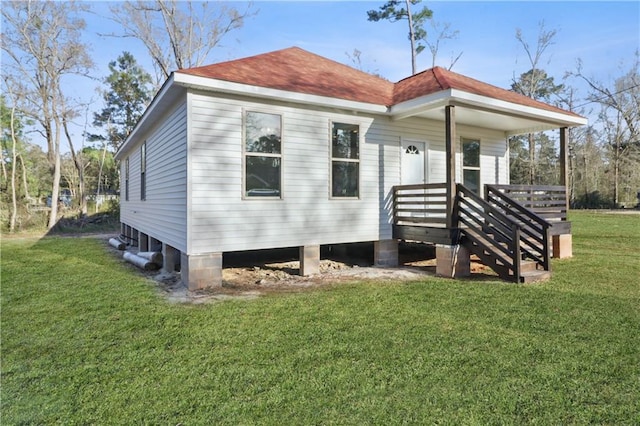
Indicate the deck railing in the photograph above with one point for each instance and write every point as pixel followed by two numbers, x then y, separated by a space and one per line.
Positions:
pixel 534 228
pixel 424 204
pixel 491 235
pixel 500 230
pixel 549 202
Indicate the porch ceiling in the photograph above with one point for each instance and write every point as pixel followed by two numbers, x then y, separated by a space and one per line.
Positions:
pixel 481 111
pixel 509 124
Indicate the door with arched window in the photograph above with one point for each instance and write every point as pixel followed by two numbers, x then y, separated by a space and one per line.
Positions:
pixel 413 162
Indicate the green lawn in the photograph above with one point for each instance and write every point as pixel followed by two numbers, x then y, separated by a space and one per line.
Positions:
pixel 86 341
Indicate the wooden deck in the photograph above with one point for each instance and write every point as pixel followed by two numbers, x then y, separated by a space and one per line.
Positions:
pixel 419 214
pixel 549 202
pixel 509 229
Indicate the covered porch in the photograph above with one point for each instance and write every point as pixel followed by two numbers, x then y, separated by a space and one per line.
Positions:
pixel 514 229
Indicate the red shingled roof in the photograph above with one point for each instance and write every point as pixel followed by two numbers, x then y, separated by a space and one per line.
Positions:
pixel 297 70
pixel 437 79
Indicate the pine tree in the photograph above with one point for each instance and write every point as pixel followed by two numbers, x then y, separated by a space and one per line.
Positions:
pixel 393 11
pixel 129 92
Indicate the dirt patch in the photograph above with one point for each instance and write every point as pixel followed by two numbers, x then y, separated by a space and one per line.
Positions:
pixel 280 277
pixel 249 275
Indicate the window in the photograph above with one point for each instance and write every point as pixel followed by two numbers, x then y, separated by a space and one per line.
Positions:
pixel 143 171
pixel 345 160
pixel 471 164
pixel 412 149
pixel 126 179
pixel 262 155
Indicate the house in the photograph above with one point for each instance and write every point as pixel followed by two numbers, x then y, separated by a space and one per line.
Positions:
pixel 290 149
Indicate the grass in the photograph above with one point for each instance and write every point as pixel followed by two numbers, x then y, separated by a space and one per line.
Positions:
pixel 86 341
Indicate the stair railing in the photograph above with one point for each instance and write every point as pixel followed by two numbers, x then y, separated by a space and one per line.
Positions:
pixel 534 228
pixel 496 235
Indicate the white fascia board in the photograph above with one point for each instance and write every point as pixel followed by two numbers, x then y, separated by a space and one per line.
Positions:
pixel 210 84
pixel 157 99
pixel 419 105
pixel 556 118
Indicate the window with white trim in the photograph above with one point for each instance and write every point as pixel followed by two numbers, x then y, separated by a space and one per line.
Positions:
pixel 262 155
pixel 471 164
pixel 345 160
pixel 126 179
pixel 143 171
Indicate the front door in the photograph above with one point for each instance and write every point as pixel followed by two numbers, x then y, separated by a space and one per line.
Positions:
pixel 413 170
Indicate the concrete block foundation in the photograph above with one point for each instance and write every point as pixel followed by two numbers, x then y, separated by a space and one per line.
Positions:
pixel 452 261
pixel 309 260
pixel 385 253
pixel 562 246
pixel 201 271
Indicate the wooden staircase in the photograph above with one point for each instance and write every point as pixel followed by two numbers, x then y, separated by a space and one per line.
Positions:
pixel 501 261
pixel 507 237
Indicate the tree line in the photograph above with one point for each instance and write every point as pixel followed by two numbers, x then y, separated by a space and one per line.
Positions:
pixel 43 48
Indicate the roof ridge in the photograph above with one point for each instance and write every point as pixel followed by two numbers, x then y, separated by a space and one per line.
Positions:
pixel 441 78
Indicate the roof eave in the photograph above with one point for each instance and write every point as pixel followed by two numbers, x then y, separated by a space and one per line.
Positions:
pixel 554 119
pixel 545 119
pixel 420 105
pixel 222 86
pixel 167 92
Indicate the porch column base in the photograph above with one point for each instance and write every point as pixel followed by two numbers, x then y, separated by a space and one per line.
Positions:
pixel 309 260
pixel 170 257
pixel 201 271
pixel 562 246
pixel 385 253
pixel 453 261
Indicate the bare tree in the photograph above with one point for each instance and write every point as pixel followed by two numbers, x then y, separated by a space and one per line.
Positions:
pixel 535 83
pixel 43 43
pixel 356 61
pixel 177 34
pixel 443 31
pixel 620 120
pixel 568 100
pixel 545 39
pixel 78 162
pixel 14 159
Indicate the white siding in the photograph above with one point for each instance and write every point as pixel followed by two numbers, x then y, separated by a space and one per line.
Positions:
pixel 493 148
pixel 221 220
pixel 163 214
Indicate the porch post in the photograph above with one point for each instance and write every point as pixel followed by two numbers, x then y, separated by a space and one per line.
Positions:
pixel 450 150
pixel 564 163
pixel 562 244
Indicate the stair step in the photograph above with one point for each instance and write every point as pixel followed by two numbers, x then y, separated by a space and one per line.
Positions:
pixel 528 266
pixel 535 276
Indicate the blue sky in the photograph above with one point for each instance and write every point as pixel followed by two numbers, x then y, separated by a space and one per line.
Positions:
pixel 604 35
